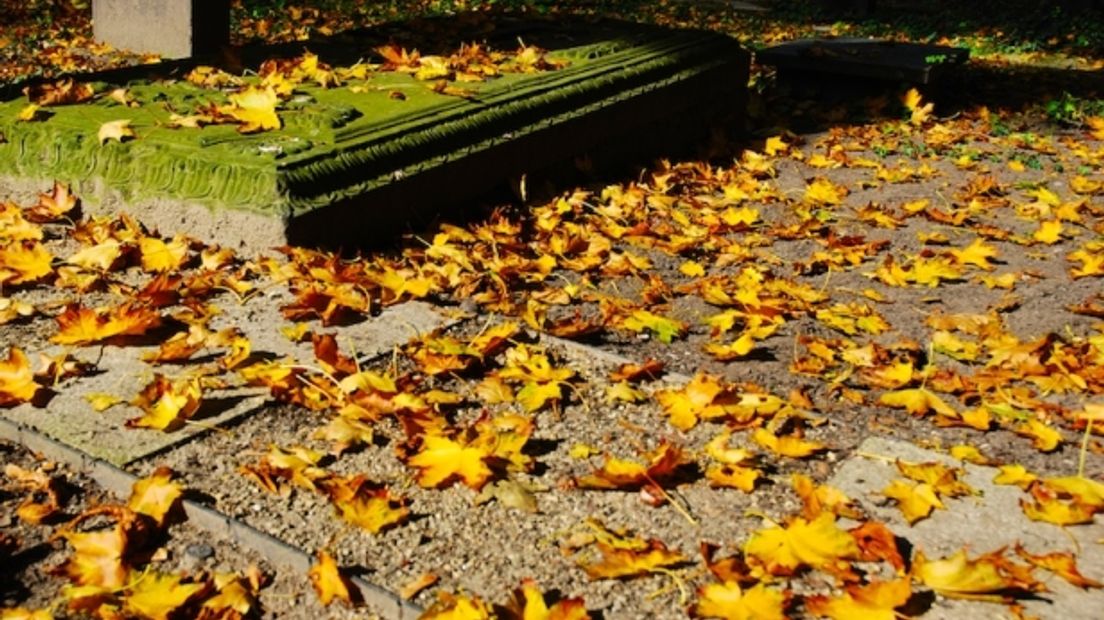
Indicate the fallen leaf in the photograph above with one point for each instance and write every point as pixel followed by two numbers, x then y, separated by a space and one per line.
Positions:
pixel 731 602
pixel 119 131
pixel 328 582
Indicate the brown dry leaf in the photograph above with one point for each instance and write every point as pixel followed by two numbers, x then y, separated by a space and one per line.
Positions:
pixel 52 206
pixel 62 92
pixel 662 467
pixel 877 543
pixel 328 582
pixel 1060 563
pixel 416 585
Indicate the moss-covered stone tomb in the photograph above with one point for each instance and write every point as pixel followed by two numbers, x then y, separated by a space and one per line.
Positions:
pixel 363 132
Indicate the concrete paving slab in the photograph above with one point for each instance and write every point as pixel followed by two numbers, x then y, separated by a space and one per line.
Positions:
pixel 70 418
pixel 983 523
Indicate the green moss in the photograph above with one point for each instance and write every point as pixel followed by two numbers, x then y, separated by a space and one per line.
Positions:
pixel 340 142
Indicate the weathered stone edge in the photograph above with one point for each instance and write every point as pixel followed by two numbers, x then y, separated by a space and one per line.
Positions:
pixel 119 483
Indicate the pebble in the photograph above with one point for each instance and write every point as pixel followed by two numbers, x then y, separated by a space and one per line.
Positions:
pixel 199 551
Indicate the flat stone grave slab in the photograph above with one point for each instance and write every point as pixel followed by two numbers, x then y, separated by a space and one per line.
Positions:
pixel 369 146
pixel 864 58
pixel 70 418
pixel 980 523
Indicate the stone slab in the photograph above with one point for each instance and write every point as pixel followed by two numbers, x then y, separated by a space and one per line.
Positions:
pixel 349 162
pixel 70 418
pixel 982 523
pixel 168 28
pixel 864 58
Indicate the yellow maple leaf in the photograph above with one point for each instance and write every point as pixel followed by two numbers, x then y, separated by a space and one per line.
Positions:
pixel 1015 475
pixel 328 582
pixel 1043 437
pixel 1096 126
pixel 818 543
pixel 917 401
pixel 97 558
pixel 1085 490
pixel 775 145
pixel 102 256
pixel 733 477
pixel 528 603
pixel 159 256
pixel 167 404
pixel 364 504
pixel 1049 232
pixel 17 384
pixel 731 602
pixel 155 495
pixel 692 269
pixel 442 460
pixel 254 108
pixel 919 112
pixel 623 391
pixel 158 596
pixel 22 262
pixel 959 576
pixel 534 395
pixel 787 445
pixel 620 563
pixel 83 326
pixel 666 329
pixel 977 254
pixel 818 498
pixel 119 131
pixel 824 192
pixel 452 607
pixel 1092 263
pixel 696 400
pixel 916 500
pixel 872 601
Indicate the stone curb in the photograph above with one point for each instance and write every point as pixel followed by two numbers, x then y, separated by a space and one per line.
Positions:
pixel 119 482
